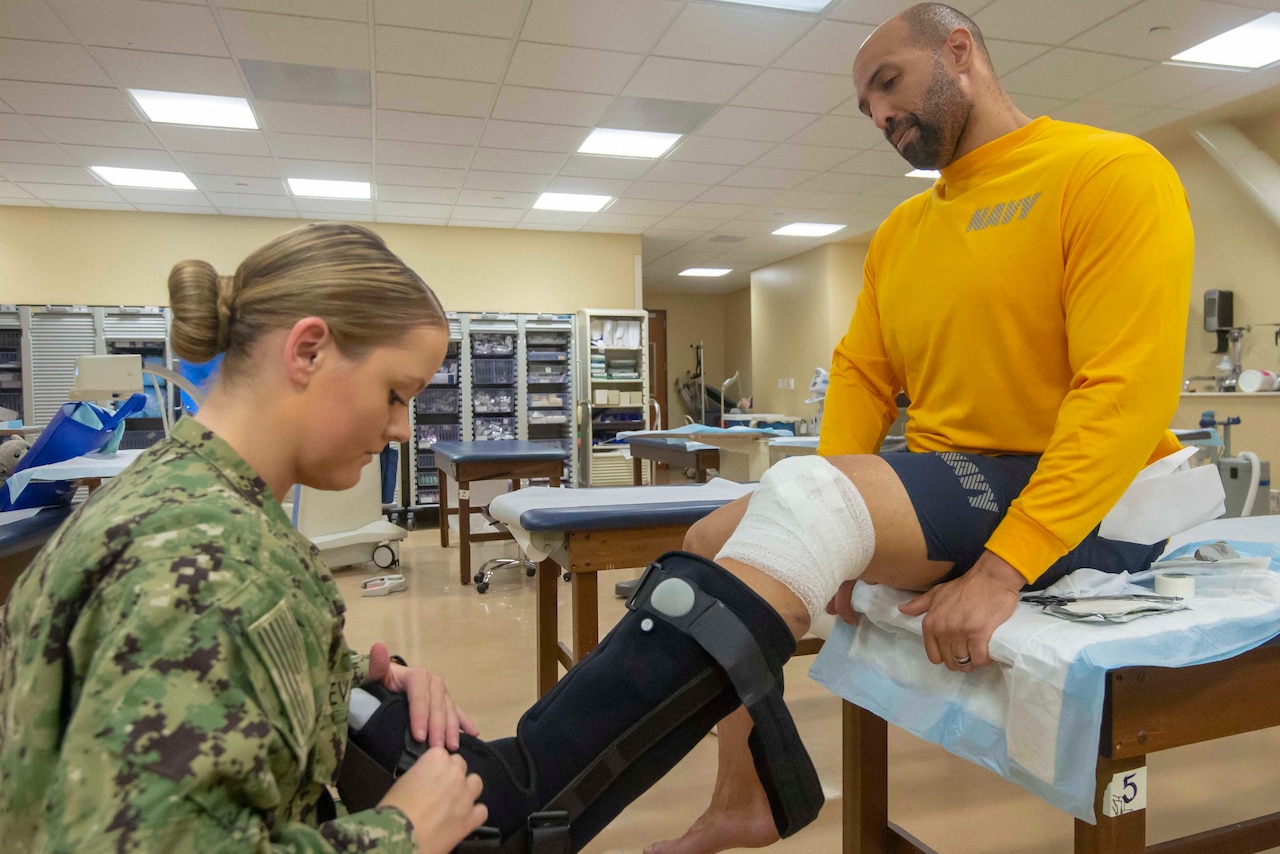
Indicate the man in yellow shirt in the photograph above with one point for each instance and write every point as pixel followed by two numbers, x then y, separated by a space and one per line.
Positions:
pixel 1033 306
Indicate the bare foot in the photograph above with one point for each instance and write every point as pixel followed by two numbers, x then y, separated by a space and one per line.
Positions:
pixel 738 820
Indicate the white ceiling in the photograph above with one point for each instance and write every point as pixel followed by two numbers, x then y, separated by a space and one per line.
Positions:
pixel 473 107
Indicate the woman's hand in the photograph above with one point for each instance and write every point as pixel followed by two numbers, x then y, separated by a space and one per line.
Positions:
pixel 439 798
pixel 433 717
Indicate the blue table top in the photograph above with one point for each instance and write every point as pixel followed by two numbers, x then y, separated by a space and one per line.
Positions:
pixel 669 442
pixel 614 517
pixel 32 532
pixel 512 449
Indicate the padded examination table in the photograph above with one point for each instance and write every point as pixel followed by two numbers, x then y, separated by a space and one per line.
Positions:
pixel 681 453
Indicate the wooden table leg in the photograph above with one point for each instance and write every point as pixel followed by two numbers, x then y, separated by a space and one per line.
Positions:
pixel 1122 834
pixel 586 614
pixel 866 781
pixel 464 531
pixel 702 474
pixel 637 473
pixel 547 620
pixel 442 482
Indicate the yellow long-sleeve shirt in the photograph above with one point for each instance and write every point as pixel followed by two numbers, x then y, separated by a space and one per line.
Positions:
pixel 1033 301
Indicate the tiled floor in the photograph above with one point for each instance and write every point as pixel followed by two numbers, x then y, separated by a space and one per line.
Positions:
pixel 484 647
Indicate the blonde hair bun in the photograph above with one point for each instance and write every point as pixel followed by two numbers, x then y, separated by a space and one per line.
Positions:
pixel 201 303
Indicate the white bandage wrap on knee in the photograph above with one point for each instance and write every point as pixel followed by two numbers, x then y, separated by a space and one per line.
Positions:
pixel 806 526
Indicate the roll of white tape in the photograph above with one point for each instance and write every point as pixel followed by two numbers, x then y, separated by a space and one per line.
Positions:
pixel 1176 584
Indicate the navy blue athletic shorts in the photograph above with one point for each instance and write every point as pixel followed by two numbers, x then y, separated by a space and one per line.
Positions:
pixel 961 498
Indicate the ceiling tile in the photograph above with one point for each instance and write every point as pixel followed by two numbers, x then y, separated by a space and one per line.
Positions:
pixel 738 195
pixel 1044 21
pixel 433 54
pixel 802 91
pixel 1099 114
pixel 840 132
pixel 322 120
pixel 387 208
pixel 312 147
pixel 47 62
pixel 248 212
pixel 496 199
pixel 690 173
pixel 813 199
pixel 645 207
pixel 76 102
pixel 207 210
pixel 1161 85
pixel 1007 55
pixel 556 218
pixel 479 17
pixel 1032 105
pixel 617 220
pixel 515 181
pixel 17 151
pixel 533 137
pixel 129 158
pixel 71 192
pixel 576 69
pixel 89 131
pixel 420 176
pixel 328 170
pixel 887 163
pixel 435 95
pixel 16 127
pixel 404 153
pixel 517 103
pixel 142 26
pixel 846 182
pixel 689 80
pixel 1189 21
pixel 10 190
pixel 758 176
pixel 416 195
pixel 628 25
pixel 411 220
pixel 750 124
pixel 596 166
pixel 709 210
pixel 31 19
pixel 346 207
pixel 1071 74
pixel 171 72
pixel 803 157
pixel 94 206
pixel 690 223
pixel 707 149
pixel 180 198
pixel 209 141
pixel 666 191
pixel 510 160
pixel 1152 119
pixel 422 127
pixel 829 48
pixel 231 184
pixel 488 214
pixel 228 164
pixel 251 201
pixel 1244 84
pixel 879 11
pixel 29 202
pixel 342 10
pixel 269 80
pixel 588 186
pixel 732 33
pixel 455 222
pixel 288 38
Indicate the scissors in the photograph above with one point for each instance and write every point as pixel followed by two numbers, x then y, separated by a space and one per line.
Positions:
pixel 382 585
pixel 1047 599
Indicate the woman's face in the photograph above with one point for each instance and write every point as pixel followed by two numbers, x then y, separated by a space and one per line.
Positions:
pixel 362 405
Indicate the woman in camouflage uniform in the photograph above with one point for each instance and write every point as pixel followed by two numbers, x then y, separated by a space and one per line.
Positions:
pixel 174 671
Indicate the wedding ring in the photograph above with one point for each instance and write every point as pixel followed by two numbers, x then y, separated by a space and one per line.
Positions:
pixel 962 661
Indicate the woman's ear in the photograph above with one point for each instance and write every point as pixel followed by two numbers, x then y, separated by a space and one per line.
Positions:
pixel 305 349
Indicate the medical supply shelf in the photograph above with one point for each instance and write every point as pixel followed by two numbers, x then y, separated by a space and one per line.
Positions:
pixel 436 416
pixel 10 361
pixel 613 347
pixel 546 367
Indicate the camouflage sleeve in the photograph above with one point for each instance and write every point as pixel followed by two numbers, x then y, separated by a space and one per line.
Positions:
pixel 359 667
pixel 174 745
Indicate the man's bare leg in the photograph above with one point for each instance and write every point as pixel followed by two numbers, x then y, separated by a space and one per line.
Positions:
pixel 739 815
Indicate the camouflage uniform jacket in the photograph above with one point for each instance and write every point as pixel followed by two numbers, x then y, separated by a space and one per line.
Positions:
pixel 174 676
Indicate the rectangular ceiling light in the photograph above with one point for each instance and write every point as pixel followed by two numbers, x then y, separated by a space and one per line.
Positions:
pixel 319 189
pixel 628 143
pixel 152 179
pixel 1250 45
pixel 809 229
pixel 180 108
pixel 571 202
pixel 709 272
pixel 794 5
pixel 924 173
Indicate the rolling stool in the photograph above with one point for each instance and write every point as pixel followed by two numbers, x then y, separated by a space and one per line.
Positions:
pixel 489 567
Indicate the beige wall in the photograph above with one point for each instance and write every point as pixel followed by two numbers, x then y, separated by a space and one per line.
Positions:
pixel 790 330
pixel 737 339
pixel 62 256
pixel 690 318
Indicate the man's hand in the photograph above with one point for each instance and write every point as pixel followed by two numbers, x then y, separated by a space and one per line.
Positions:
pixel 433 717
pixel 961 615
pixel 439 797
pixel 841 604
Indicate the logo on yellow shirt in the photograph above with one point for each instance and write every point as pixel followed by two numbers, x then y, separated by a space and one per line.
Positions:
pixel 1002 214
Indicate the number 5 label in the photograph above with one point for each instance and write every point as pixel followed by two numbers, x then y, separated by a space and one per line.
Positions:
pixel 1127 792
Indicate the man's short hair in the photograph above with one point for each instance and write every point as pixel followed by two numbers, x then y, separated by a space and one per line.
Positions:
pixel 930 24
